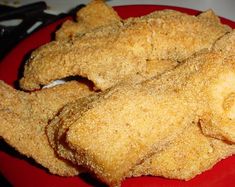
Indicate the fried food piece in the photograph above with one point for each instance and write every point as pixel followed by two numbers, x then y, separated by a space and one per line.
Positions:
pixel 95 14
pixel 24 117
pixel 222 121
pixel 110 54
pixel 154 67
pixel 127 127
pixel 188 35
pixel 128 124
pixel 187 156
pixel 56 130
pixel 69 29
pixel 226 43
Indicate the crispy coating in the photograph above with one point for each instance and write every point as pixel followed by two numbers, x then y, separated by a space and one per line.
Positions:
pixel 222 121
pixel 154 67
pixel 95 14
pixel 56 130
pixel 226 43
pixel 69 29
pixel 182 35
pixel 24 117
pixel 110 54
pixel 146 120
pixel 187 156
pixel 123 127
pixel 129 123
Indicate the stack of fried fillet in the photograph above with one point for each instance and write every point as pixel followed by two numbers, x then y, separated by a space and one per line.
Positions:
pixel 154 78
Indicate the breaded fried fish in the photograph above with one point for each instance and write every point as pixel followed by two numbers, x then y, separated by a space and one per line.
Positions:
pixel 129 123
pixel 222 121
pixel 95 14
pixel 110 54
pixel 56 130
pixel 24 117
pixel 187 156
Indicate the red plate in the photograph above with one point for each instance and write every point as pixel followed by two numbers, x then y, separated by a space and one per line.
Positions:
pixel 23 172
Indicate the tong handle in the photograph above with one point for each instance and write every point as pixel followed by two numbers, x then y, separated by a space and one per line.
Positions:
pixel 23 10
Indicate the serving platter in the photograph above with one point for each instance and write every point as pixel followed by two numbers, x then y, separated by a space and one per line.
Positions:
pixel 21 171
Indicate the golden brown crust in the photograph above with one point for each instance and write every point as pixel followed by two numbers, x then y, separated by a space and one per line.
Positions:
pixel 108 55
pixel 69 29
pixel 187 156
pixel 222 120
pixel 57 129
pixel 226 43
pixel 131 122
pixel 145 122
pixel 95 14
pixel 24 117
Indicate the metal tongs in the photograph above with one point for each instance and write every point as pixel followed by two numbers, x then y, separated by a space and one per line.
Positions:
pixel 29 14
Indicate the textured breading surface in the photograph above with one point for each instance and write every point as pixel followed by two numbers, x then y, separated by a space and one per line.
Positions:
pixel 166 106
pixel 109 54
pixel 222 121
pixel 226 43
pixel 129 123
pixel 95 14
pixel 56 130
pixel 188 155
pixel 24 117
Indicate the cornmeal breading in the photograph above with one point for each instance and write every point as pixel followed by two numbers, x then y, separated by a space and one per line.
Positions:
pixel 226 43
pixel 188 155
pixel 161 100
pixel 110 54
pixel 222 121
pixel 24 117
pixel 129 123
pixel 95 14
pixel 56 129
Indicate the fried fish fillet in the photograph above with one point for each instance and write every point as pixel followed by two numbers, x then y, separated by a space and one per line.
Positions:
pixel 24 117
pixel 129 123
pixel 95 14
pixel 56 130
pixel 187 156
pixel 226 43
pixel 110 54
pixel 222 121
